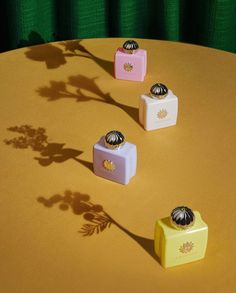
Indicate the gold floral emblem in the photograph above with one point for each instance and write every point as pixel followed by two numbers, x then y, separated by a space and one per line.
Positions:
pixel 162 114
pixel 186 247
pixel 109 165
pixel 128 67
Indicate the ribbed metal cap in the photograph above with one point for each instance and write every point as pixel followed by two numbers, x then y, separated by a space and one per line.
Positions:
pixel 114 139
pixel 159 91
pixel 130 46
pixel 182 217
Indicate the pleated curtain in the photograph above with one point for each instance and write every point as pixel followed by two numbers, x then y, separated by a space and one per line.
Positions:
pixel 205 22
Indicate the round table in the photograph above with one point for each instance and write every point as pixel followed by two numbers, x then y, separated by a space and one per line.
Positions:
pixel 63 229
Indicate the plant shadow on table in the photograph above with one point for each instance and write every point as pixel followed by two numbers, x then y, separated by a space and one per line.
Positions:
pixel 79 87
pixel 97 218
pixel 54 57
pixel 37 140
pixel 76 49
pixel 48 53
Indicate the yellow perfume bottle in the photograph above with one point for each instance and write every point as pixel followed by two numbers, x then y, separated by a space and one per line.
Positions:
pixel 180 238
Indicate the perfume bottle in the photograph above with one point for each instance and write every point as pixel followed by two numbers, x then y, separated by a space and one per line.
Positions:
pixel 158 109
pixel 180 238
pixel 130 62
pixel 115 159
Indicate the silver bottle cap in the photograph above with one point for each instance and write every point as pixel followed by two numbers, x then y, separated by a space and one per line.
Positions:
pixel 182 218
pixel 114 139
pixel 130 46
pixel 158 91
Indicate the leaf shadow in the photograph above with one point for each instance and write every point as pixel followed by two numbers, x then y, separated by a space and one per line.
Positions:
pixel 97 219
pixel 36 139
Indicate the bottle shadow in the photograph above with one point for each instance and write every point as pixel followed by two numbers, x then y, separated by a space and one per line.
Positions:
pixel 97 219
pixel 83 85
pixel 37 140
pixel 54 57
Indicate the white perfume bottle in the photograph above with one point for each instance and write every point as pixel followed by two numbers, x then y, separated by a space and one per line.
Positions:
pixel 115 159
pixel 159 109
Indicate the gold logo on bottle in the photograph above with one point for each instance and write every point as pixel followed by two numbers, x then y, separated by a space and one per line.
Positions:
pixel 109 165
pixel 162 114
pixel 186 247
pixel 128 67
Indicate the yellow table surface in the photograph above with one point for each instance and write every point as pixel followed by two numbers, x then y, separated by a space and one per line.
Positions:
pixel 67 92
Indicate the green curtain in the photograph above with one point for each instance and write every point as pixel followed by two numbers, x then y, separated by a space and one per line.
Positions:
pixel 206 22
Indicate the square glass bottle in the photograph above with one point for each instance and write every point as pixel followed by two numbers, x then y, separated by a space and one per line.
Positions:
pixel 159 109
pixel 180 238
pixel 115 159
pixel 130 62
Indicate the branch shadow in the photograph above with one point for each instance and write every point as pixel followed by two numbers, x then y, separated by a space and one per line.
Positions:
pixel 54 57
pixel 84 89
pixel 37 140
pixel 97 219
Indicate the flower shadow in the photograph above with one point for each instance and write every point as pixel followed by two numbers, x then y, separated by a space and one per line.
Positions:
pixel 83 89
pixel 54 56
pixel 75 48
pixel 97 219
pixel 37 140
pixel 48 53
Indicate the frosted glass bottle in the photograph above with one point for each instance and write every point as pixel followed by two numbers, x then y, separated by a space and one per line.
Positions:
pixel 159 109
pixel 180 238
pixel 130 62
pixel 115 159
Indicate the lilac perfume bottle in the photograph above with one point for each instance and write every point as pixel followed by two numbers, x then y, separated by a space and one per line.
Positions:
pixel 115 159
pixel 159 109
pixel 130 62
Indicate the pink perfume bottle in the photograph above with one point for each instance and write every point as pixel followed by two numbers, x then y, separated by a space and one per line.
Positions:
pixel 115 159
pixel 130 62
pixel 159 109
